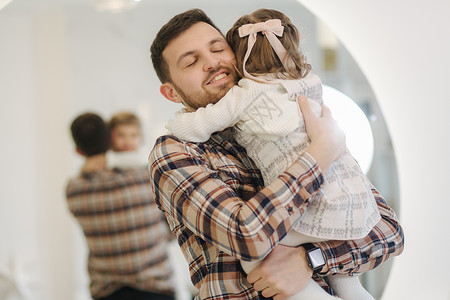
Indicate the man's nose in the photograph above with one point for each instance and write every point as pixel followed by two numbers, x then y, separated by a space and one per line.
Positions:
pixel 211 62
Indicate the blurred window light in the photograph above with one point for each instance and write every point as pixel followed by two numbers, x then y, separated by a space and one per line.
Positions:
pixel 354 123
pixel 115 6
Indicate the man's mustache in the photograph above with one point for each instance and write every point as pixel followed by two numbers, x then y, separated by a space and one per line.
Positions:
pixel 228 69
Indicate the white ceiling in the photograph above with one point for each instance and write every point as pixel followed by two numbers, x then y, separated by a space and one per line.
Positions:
pixel 33 5
pixel 42 5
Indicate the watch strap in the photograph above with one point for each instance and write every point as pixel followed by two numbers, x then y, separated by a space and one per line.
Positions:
pixel 308 246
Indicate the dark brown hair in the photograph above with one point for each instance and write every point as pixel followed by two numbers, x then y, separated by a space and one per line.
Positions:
pixel 172 29
pixel 90 134
pixel 263 59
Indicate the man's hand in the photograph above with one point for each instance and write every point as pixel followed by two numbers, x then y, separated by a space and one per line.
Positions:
pixel 327 138
pixel 282 274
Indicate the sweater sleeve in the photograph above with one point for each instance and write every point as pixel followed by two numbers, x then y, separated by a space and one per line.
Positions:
pixel 199 125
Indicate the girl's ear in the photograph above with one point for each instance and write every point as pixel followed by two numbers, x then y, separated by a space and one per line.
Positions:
pixel 168 91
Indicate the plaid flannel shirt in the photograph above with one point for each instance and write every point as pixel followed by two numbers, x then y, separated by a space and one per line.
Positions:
pixel 126 233
pixel 214 199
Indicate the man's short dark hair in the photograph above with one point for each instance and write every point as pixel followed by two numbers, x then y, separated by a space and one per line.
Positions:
pixel 90 134
pixel 170 31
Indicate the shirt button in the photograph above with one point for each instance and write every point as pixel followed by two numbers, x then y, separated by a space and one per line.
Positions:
pixel 290 210
pixel 340 266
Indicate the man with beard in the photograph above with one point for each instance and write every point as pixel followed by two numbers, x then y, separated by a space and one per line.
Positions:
pixel 214 198
pixel 125 232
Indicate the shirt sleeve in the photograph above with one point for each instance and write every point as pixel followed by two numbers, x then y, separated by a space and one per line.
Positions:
pixel 193 195
pixel 199 125
pixel 358 256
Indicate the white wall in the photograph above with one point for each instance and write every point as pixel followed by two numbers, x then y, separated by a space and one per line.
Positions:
pixel 35 228
pixel 403 48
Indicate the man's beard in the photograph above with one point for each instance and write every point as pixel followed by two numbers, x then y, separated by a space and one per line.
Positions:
pixel 207 97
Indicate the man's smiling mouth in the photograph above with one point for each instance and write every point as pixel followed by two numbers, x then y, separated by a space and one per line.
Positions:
pixel 218 77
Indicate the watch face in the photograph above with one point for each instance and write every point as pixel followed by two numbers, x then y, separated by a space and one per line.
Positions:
pixel 316 258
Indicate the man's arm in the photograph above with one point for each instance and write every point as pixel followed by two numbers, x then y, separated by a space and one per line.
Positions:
pixel 285 271
pixel 192 194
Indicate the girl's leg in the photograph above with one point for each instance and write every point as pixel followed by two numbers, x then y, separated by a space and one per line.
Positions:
pixel 313 291
pixel 348 287
pixel 294 239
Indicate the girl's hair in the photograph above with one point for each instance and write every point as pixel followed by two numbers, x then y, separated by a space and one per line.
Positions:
pixel 263 59
pixel 124 118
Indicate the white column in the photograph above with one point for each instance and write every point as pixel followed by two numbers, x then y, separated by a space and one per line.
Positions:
pixel 53 151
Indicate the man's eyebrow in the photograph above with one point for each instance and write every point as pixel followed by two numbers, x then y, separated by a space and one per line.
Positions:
pixel 217 40
pixel 185 54
pixel 189 53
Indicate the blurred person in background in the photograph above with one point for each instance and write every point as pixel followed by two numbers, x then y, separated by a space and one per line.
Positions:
pixel 126 233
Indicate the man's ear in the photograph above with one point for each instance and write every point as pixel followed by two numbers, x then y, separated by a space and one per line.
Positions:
pixel 79 151
pixel 168 91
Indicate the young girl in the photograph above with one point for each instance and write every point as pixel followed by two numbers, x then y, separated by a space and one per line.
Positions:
pixel 126 142
pixel 269 125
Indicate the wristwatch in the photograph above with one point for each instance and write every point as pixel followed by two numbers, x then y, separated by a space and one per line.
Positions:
pixel 315 257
